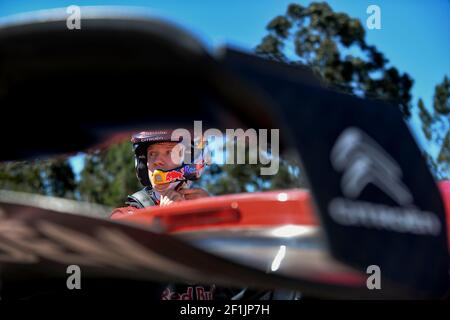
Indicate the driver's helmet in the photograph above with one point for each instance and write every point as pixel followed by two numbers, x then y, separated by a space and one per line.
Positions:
pixel 186 172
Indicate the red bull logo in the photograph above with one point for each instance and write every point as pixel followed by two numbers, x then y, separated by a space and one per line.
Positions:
pixel 161 177
pixel 174 175
pixel 188 172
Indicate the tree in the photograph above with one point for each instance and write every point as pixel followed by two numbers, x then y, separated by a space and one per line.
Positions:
pixel 436 128
pixel 51 177
pixel 221 179
pixel 22 176
pixel 108 175
pixel 59 178
pixel 333 45
pixel 441 99
pixel 92 182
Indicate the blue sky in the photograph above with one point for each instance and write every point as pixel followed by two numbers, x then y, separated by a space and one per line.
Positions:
pixel 415 34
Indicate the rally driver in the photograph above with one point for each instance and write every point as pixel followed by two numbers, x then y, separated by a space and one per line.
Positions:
pixel 166 179
pixel 154 156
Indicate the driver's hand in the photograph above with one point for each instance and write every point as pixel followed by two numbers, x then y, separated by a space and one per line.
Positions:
pixel 169 197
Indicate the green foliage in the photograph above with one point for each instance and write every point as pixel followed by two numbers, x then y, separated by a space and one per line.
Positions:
pixel 22 176
pixel 59 178
pixel 443 158
pixel 426 119
pixel 238 178
pixel 441 99
pixel 444 154
pixel 334 45
pixel 108 176
pixel 436 127
pixel 52 177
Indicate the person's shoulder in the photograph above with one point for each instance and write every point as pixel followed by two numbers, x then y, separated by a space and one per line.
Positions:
pixel 141 199
pixel 136 201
